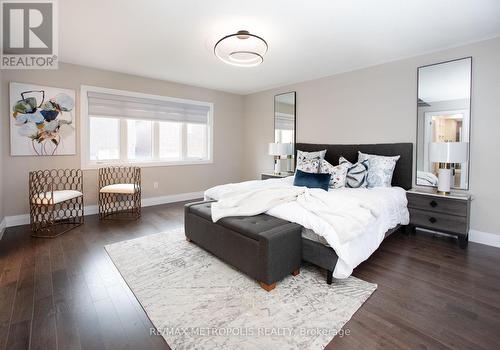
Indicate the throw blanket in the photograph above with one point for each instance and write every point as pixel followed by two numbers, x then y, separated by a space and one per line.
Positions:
pixel 347 215
pixel 389 204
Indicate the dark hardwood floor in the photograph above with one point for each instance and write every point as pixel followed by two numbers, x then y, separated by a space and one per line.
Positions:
pixel 65 293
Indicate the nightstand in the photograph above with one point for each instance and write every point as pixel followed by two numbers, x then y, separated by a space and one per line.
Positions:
pixel 265 176
pixel 443 213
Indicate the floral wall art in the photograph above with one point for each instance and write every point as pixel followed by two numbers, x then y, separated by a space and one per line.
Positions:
pixel 42 121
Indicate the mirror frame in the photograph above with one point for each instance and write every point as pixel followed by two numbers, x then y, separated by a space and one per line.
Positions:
pixel 294 121
pixel 470 122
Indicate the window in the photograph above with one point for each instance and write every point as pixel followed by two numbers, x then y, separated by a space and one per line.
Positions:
pixel 170 140
pixel 139 140
pixel 105 140
pixel 283 136
pixel 120 127
pixel 284 127
pixel 196 140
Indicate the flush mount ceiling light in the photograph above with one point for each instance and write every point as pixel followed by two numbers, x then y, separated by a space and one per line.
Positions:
pixel 241 49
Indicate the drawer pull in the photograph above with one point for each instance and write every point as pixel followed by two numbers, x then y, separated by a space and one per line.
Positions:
pixel 432 220
pixel 434 204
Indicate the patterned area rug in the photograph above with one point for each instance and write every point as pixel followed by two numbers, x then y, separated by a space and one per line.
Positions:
pixel 197 301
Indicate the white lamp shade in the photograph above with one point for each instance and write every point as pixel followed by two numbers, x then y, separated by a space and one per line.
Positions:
pixel 449 152
pixel 280 149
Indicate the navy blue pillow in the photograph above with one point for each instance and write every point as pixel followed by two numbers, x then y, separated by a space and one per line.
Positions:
pixel 311 180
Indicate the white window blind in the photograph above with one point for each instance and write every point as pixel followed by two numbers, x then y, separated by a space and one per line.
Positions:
pixel 122 127
pixel 106 104
pixel 284 121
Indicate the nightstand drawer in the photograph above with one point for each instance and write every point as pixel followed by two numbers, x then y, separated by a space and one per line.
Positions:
pixel 437 204
pixel 438 221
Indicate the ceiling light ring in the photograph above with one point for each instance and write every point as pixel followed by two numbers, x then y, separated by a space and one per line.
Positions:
pixel 239 34
pixel 250 52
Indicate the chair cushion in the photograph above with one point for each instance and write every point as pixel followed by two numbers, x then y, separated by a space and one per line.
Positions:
pixel 118 188
pixel 59 197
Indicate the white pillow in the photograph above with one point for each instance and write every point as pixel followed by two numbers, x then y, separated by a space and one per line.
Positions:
pixel 309 166
pixel 380 169
pixel 303 156
pixel 338 173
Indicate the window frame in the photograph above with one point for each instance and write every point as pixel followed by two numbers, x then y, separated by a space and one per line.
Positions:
pixel 87 163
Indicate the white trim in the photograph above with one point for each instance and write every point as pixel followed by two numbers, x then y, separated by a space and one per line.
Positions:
pixel 486 238
pixel 3 226
pixel 16 220
pixel 172 198
pixel 86 163
pixel 24 219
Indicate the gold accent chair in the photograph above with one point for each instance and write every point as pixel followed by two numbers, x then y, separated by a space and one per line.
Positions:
pixel 119 192
pixel 56 201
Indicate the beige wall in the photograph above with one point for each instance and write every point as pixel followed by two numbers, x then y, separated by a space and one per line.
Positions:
pixel 375 104
pixel 378 104
pixel 228 131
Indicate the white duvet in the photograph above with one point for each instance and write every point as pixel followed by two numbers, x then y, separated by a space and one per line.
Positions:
pixel 347 215
pixel 392 210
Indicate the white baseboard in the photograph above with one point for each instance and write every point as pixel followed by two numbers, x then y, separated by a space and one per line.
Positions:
pixel 486 238
pixel 24 219
pixel 16 220
pixel 148 202
pixel 3 226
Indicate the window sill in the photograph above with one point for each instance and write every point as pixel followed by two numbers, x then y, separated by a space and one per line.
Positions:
pixel 147 164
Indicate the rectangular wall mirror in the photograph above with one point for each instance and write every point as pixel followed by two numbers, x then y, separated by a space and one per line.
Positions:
pixel 443 122
pixel 285 126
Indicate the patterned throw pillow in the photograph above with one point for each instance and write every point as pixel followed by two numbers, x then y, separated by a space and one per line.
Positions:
pixel 304 156
pixel 356 173
pixel 380 169
pixel 338 173
pixel 309 166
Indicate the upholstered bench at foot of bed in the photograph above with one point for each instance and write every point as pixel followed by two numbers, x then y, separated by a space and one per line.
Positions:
pixel 262 246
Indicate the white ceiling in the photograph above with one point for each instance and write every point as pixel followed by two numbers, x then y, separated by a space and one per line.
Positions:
pixel 173 40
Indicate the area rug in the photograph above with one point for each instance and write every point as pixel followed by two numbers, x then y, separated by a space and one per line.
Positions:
pixel 197 301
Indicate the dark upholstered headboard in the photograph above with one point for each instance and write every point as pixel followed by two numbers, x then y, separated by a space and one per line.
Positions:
pixel 402 174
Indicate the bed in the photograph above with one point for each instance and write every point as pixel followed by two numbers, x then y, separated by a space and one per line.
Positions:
pixel 340 258
pixel 314 249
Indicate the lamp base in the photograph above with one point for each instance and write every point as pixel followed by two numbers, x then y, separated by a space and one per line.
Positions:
pixel 277 165
pixel 444 181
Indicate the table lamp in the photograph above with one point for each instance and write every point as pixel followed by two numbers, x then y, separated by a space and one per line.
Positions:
pixel 277 150
pixel 446 153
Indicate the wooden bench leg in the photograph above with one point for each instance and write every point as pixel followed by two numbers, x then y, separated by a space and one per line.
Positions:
pixel 296 272
pixel 267 287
